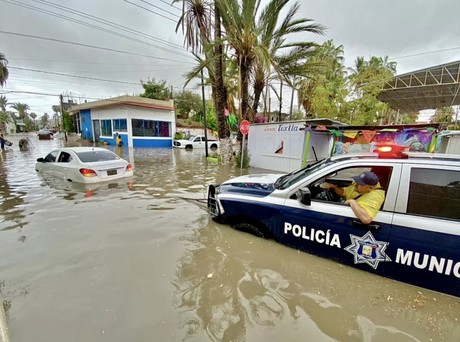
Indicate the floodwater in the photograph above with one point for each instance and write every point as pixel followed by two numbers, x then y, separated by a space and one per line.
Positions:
pixel 141 260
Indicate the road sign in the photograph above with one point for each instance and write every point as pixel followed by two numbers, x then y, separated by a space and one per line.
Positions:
pixel 244 127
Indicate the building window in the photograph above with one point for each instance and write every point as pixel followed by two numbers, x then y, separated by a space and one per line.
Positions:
pixel 150 128
pixel 435 193
pixel 120 125
pixel 106 127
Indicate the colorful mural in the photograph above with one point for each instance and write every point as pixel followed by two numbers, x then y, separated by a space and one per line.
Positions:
pixel 358 141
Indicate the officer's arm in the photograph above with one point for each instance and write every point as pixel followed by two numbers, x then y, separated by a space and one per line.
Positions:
pixel 338 190
pixel 359 211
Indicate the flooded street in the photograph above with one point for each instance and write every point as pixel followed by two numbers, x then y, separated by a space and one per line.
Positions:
pixel 141 260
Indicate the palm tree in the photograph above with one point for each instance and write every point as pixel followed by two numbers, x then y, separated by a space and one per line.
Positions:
pixel 256 41
pixel 3 103
pixel 195 22
pixel 326 69
pixel 21 108
pixel 3 70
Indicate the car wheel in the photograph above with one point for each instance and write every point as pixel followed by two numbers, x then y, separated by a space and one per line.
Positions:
pixel 250 228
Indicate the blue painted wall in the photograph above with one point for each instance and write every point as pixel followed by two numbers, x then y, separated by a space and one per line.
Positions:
pixel 151 143
pixel 86 124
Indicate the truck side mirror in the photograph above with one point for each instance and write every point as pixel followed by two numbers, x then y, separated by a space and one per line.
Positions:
pixel 304 196
pixel 40 160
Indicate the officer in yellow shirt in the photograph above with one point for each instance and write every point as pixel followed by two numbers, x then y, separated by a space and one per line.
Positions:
pixel 365 196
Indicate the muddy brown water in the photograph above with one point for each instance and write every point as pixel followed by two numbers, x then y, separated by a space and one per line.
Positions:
pixel 141 260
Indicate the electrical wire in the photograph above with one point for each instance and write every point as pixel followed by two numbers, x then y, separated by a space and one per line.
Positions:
pixel 90 46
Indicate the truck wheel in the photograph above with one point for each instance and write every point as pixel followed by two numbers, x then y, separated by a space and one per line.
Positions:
pixel 189 147
pixel 213 147
pixel 250 228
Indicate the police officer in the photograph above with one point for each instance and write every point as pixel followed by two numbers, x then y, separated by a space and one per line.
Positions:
pixel 365 196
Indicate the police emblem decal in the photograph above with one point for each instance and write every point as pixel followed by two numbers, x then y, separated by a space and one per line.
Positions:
pixel 367 250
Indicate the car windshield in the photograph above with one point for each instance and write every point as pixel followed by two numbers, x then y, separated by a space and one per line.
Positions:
pixel 286 181
pixel 96 156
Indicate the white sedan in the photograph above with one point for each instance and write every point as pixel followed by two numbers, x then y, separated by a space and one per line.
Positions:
pixel 84 165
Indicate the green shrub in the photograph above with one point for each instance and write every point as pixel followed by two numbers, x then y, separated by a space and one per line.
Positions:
pixel 246 159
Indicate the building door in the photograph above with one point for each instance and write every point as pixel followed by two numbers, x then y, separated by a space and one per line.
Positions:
pixel 96 129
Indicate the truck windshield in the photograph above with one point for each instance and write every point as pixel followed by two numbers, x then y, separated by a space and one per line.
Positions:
pixel 191 138
pixel 286 181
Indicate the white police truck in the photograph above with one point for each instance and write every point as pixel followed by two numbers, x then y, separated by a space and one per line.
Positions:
pixel 415 237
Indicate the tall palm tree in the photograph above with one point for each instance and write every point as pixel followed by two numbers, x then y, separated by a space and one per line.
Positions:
pixel 21 108
pixel 3 70
pixel 256 41
pixel 196 22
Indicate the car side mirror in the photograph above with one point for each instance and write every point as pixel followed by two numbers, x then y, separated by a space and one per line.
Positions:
pixel 304 196
pixel 40 160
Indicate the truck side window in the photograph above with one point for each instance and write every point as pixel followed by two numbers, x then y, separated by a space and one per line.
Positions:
pixel 434 192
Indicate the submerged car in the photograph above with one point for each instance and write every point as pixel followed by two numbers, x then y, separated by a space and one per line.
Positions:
pixel 84 165
pixel 414 238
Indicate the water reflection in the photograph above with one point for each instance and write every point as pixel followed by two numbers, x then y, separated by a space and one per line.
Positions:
pixel 12 199
pixel 235 287
pixel 141 260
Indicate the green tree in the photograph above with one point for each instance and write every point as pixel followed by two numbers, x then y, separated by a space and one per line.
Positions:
pixel 196 23
pixel 323 92
pixel 21 108
pixel 3 70
pixel 44 120
pixel 3 103
pixel 186 101
pixel 155 90
pixel 366 81
pixel 254 37
pixel 33 116
pixel 444 116
pixel 4 119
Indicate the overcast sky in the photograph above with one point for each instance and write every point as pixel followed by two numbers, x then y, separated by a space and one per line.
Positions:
pixel 93 49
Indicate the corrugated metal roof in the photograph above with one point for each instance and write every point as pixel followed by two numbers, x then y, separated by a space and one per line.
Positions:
pixel 430 88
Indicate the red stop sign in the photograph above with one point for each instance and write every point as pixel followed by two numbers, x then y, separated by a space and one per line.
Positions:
pixel 244 127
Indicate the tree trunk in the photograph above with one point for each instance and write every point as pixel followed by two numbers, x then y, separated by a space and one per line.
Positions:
pixel 220 94
pixel 258 89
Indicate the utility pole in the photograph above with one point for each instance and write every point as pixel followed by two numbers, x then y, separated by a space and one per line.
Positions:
pixel 61 101
pixel 281 99
pixel 204 115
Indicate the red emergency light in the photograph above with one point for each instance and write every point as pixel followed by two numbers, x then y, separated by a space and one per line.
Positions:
pixel 391 151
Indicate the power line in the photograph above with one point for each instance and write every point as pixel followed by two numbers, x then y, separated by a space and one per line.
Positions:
pixel 148 3
pixel 109 23
pixel 426 53
pixel 76 76
pixel 90 46
pixel 100 20
pixel 129 2
pixel 180 9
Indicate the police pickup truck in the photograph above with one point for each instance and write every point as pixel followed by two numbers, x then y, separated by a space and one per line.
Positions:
pixel 415 237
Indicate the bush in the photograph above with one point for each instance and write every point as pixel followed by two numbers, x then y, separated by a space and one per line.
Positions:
pixel 179 135
pixel 246 159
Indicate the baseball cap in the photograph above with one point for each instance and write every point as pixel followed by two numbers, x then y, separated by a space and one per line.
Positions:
pixel 366 178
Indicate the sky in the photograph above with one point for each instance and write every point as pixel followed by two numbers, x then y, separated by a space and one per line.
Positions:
pixel 98 49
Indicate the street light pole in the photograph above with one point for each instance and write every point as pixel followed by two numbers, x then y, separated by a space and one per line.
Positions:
pixel 204 115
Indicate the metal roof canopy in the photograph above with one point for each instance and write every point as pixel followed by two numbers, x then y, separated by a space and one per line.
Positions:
pixel 430 88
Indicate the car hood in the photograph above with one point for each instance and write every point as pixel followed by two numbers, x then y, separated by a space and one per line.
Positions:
pixel 256 184
pixel 182 141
